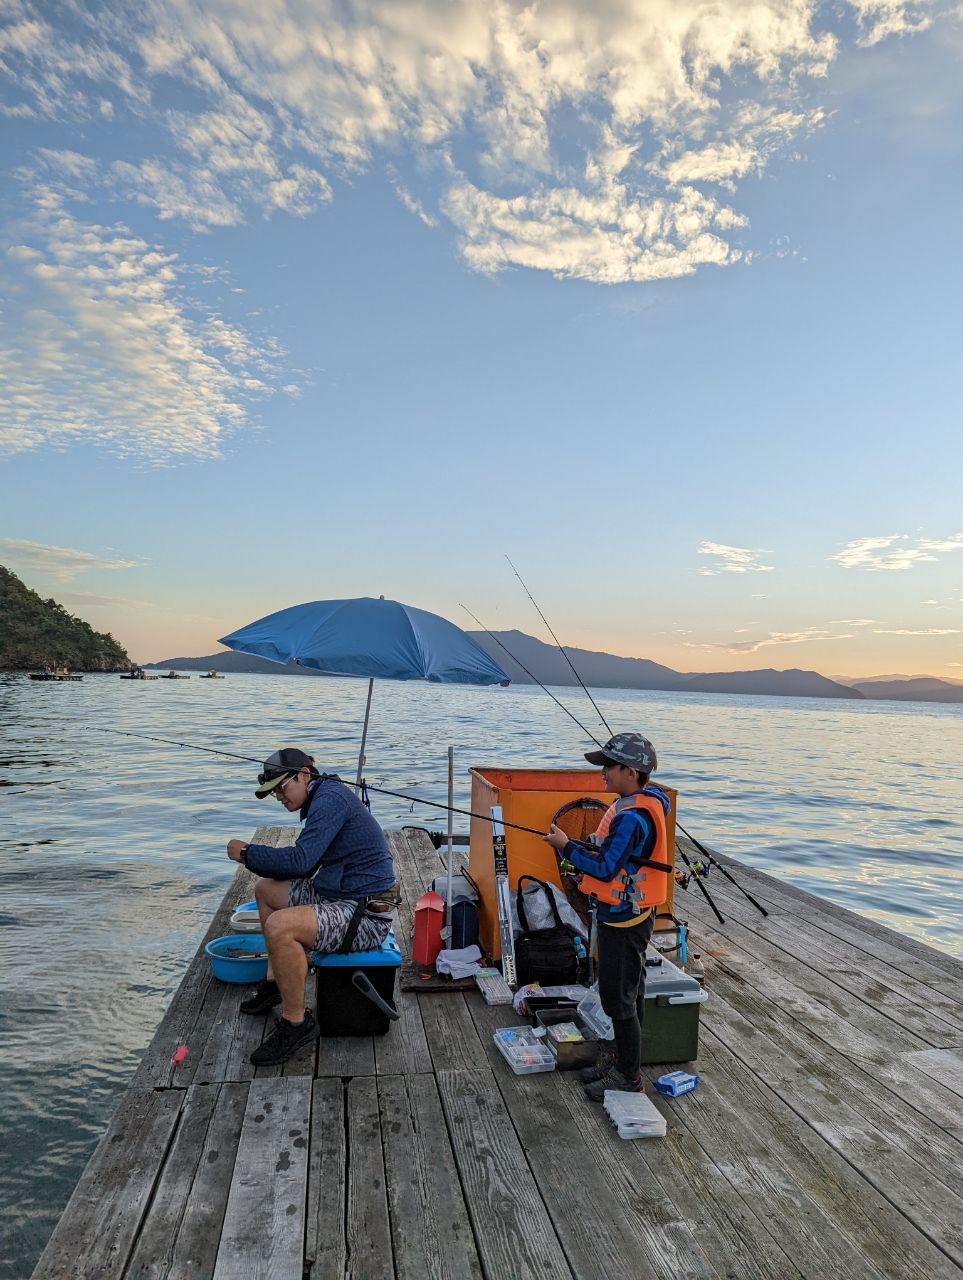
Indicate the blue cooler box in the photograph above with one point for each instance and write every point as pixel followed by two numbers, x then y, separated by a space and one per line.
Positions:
pixel 356 992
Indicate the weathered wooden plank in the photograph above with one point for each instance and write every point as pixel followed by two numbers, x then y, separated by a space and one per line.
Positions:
pixel 620 1227
pixel 813 999
pixel 326 1245
pixel 369 1230
pixel 944 1065
pixel 865 943
pixel 929 1013
pixel 912 1163
pixel 452 1036
pixel 98 1228
pixel 723 1221
pixel 263 1231
pixel 786 896
pixel 404 1050
pixel 821 1203
pixel 430 1229
pixel 512 1228
pixel 757 990
pixel 179 1238
pixel 342 1056
pixel 232 1038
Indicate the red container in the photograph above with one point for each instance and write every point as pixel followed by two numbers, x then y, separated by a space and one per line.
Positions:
pixel 429 919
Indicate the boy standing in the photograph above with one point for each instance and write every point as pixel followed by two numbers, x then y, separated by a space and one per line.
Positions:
pixel 633 836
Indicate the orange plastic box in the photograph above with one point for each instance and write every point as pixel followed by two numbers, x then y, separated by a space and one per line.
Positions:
pixel 531 798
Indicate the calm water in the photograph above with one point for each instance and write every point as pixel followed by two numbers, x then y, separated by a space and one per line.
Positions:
pixel 112 849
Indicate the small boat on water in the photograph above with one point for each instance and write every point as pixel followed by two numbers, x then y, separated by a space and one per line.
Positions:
pixel 211 675
pixel 54 673
pixel 138 674
pixel 174 675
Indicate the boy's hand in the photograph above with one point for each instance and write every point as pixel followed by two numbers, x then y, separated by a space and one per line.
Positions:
pixel 556 838
pixel 235 848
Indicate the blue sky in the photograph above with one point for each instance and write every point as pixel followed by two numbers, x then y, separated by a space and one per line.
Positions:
pixel 660 299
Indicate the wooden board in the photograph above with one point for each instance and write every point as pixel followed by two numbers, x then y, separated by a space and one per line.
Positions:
pixel 262 1237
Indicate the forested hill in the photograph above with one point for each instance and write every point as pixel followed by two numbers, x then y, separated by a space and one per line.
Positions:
pixel 34 631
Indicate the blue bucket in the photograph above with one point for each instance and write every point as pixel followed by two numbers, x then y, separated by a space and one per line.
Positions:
pixel 240 969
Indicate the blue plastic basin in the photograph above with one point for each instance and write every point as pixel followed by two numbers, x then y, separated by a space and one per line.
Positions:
pixel 239 969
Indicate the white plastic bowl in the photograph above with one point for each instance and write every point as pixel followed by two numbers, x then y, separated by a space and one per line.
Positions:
pixel 246 920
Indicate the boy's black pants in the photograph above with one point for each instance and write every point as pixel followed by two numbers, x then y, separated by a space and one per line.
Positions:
pixel 622 988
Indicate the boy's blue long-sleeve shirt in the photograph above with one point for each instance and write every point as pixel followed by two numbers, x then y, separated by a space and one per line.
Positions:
pixel 631 838
pixel 340 843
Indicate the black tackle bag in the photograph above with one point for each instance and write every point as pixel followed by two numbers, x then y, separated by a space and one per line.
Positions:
pixel 544 955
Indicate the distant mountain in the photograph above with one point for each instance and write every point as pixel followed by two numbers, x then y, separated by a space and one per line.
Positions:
pixel 598 670
pixel 606 671
pixel 915 689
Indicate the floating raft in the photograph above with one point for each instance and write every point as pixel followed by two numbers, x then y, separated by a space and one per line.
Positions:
pixel 825 1139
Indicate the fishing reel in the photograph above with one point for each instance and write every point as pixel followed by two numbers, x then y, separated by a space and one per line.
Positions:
pixel 696 870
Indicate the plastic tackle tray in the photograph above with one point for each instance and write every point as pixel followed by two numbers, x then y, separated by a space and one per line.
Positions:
pixel 523 1050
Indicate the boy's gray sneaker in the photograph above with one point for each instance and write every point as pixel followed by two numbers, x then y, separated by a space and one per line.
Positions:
pixel 606 1059
pixel 614 1079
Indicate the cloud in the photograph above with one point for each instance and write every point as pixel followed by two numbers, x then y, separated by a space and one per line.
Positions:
pixel 774 638
pixel 920 631
pixel 90 600
pixel 731 559
pixel 103 343
pixel 881 18
pixel 62 563
pixel 589 141
pixel 852 622
pixel 895 551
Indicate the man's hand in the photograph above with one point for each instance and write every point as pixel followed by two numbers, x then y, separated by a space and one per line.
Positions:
pixel 235 848
pixel 556 838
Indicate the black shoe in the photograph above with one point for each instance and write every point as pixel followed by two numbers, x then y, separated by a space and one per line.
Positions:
pixel 605 1060
pixel 285 1040
pixel 266 996
pixel 614 1079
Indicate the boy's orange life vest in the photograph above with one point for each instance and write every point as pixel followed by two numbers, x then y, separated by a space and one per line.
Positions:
pixel 648 884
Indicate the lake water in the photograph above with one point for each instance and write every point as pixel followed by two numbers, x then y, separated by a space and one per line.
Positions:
pixel 112 849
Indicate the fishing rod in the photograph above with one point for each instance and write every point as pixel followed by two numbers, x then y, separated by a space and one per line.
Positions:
pixel 521 664
pixel 702 849
pixel 561 649
pixel 716 863
pixel 356 786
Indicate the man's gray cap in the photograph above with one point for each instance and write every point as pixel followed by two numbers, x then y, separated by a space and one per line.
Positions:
pixel 626 748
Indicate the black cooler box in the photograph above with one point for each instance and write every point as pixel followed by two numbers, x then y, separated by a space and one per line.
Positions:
pixel 356 992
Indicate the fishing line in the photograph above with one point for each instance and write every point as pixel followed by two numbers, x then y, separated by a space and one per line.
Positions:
pixel 702 849
pixel 355 786
pixel 521 664
pixel 561 649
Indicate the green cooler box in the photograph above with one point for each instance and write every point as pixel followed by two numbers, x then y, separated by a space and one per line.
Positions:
pixel 670 1026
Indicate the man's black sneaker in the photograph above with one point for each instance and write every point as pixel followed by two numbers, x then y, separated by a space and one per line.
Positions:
pixel 266 996
pixel 614 1079
pixel 285 1040
pixel 605 1060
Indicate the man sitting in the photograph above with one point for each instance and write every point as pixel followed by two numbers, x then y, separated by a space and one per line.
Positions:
pixel 319 894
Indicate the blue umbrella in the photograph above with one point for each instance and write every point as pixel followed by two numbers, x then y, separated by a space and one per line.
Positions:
pixel 380 639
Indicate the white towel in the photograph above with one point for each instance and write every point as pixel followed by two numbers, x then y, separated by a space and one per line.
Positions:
pixel 459 963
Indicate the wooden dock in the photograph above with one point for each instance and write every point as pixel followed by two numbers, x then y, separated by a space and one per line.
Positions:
pixel 825 1139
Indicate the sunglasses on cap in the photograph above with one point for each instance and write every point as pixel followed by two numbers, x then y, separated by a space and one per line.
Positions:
pixel 286 774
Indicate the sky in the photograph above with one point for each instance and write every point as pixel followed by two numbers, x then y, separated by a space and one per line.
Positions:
pixel 659 299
